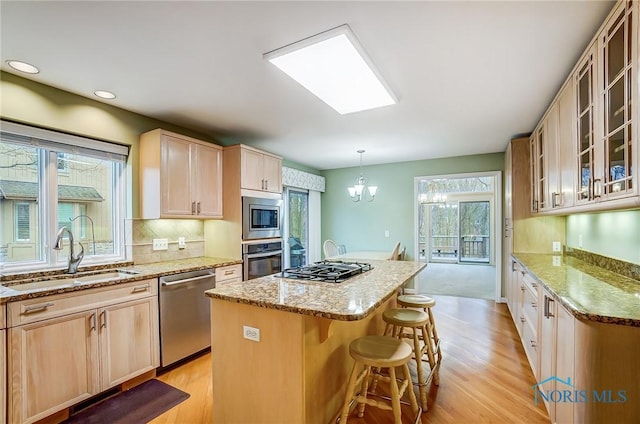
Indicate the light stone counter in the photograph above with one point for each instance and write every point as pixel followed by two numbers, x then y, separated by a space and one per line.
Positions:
pixel 588 291
pixel 142 272
pixel 350 300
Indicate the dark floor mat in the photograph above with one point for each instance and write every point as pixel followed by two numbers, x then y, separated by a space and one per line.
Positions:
pixel 140 404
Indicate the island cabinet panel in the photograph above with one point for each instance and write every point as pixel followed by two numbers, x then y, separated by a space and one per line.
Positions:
pixel 296 373
pixel 3 376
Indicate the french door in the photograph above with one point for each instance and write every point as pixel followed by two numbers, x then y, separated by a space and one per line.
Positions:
pixel 296 241
pixel 460 231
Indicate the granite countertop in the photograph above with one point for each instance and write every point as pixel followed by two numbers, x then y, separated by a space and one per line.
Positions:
pixel 350 300
pixel 588 291
pixel 139 272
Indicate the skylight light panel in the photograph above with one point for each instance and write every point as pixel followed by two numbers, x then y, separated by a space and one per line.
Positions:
pixel 334 67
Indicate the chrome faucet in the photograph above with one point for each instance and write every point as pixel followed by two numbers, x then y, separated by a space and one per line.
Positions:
pixel 74 261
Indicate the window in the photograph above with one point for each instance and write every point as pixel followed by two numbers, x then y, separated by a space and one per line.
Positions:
pixel 49 180
pixel 23 227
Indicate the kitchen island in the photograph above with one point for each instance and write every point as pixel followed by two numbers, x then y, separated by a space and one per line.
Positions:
pixel 280 347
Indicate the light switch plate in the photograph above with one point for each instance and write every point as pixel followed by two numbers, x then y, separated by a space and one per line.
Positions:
pixel 161 244
pixel 557 246
pixel 181 243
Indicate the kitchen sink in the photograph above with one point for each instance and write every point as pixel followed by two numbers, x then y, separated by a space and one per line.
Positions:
pixel 71 281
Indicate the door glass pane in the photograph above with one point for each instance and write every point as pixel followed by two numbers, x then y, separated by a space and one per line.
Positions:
pixel 85 195
pixel 615 54
pixel 615 106
pixel 585 175
pixel 443 243
pixel 583 91
pixel 474 231
pixel 617 169
pixel 585 131
pixel 20 232
pixel 298 228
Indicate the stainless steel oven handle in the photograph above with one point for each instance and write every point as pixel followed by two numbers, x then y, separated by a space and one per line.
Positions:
pixel 187 280
pixel 262 255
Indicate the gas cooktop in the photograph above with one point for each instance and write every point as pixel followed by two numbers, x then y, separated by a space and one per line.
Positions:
pixel 327 271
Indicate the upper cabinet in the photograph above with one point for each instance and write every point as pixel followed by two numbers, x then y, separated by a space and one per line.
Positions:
pixel 259 171
pixel 618 45
pixel 180 177
pixel 582 154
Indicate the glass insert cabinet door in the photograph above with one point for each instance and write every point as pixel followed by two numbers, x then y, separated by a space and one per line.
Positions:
pixel 617 46
pixel 586 134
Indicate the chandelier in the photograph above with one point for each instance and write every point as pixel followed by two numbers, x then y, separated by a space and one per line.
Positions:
pixel 357 191
pixel 432 196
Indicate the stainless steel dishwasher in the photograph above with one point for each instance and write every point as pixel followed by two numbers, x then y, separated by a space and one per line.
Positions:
pixel 185 325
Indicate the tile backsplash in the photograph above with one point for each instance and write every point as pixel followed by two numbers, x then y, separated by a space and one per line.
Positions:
pixel 141 232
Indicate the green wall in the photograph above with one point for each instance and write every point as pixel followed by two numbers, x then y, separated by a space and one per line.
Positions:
pixel 361 226
pixel 29 102
pixel 611 234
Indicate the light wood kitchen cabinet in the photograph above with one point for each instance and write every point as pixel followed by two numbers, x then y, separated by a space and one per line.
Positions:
pixel 180 177
pixel 66 348
pixel 260 171
pixel 597 127
pixel 529 320
pixel 564 360
pixel 228 274
pixel 557 357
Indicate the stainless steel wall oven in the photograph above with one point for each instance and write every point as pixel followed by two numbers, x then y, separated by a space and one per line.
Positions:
pixel 261 258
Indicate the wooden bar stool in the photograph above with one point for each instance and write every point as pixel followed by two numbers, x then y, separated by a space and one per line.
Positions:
pixel 397 320
pixel 379 352
pixel 426 303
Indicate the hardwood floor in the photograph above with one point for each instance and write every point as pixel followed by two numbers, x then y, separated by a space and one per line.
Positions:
pixel 484 377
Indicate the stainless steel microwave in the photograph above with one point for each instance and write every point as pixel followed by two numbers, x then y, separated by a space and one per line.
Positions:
pixel 261 218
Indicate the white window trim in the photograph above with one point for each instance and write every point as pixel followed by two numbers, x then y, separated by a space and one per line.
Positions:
pixel 48 222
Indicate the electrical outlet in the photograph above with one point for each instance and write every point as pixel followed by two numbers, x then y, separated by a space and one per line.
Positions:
pixel 557 261
pixel 251 333
pixel 580 241
pixel 181 243
pixel 386 233
pixel 557 247
pixel 161 244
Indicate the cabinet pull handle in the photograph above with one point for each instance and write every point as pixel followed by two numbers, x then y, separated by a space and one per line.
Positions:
pixel 522 289
pixel 533 343
pixel 141 288
pixel 554 200
pixel 522 320
pixel 547 311
pixel 37 308
pixel 534 284
pixel 266 184
pixel 198 208
pixel 103 319
pixel 597 191
pixel 513 266
pixel 93 322
pixel 228 272
pixel 534 305
pixel 193 208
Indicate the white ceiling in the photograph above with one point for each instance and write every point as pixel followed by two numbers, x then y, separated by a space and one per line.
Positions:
pixel 469 75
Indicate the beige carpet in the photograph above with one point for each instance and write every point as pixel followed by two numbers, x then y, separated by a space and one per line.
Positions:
pixel 473 280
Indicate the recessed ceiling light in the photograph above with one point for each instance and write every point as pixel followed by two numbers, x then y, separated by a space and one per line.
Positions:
pixel 23 67
pixel 104 94
pixel 334 67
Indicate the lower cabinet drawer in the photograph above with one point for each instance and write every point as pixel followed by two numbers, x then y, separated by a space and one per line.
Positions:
pixel 36 309
pixel 530 343
pixel 229 274
pixel 530 309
